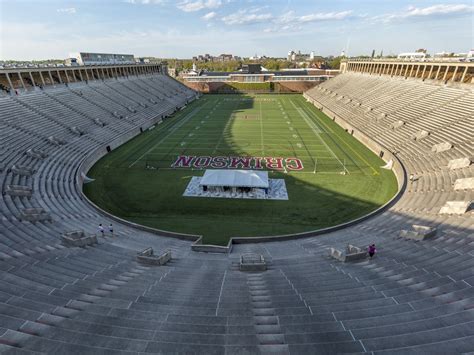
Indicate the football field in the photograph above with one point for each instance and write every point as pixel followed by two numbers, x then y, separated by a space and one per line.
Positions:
pixel 330 177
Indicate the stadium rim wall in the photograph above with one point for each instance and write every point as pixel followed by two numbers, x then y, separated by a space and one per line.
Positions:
pixel 374 146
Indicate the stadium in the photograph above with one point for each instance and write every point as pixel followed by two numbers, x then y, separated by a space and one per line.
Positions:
pixel 143 214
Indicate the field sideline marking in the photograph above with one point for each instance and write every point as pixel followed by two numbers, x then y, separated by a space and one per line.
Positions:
pixel 375 172
pixel 261 129
pixel 171 131
pixel 306 119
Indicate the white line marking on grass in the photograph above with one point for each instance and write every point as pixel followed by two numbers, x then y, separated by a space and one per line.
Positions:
pixel 375 172
pixel 261 129
pixel 170 132
pixel 316 130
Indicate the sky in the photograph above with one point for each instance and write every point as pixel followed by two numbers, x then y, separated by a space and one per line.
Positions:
pixel 42 29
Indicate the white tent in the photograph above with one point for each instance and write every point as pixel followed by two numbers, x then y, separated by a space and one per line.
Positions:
pixel 235 178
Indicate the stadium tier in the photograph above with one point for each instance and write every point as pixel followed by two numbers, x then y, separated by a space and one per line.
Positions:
pixel 414 296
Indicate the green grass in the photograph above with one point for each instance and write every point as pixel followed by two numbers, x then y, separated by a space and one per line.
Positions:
pixel 154 197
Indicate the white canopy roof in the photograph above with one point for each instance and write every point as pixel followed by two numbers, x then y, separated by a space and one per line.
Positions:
pixel 235 178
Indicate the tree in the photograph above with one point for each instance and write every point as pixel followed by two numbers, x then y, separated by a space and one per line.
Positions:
pixel 335 63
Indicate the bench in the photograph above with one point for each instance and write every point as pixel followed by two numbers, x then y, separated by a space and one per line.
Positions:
pixel 36 153
pixel 37 214
pixel 460 163
pixel 78 239
pixel 56 141
pixel 148 257
pixel 22 170
pixel 352 253
pixel 18 190
pixel 252 262
pixel 418 232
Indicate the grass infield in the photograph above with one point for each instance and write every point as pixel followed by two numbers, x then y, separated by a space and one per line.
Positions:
pixel 341 179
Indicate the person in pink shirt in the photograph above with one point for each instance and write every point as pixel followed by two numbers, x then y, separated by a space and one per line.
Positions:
pixel 372 250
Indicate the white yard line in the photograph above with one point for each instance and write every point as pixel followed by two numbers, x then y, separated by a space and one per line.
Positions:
pixel 171 131
pixel 261 129
pixel 317 130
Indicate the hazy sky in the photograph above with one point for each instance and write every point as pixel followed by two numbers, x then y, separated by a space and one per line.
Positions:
pixel 40 29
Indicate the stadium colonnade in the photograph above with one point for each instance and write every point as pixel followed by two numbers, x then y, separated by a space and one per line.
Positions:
pixel 413 297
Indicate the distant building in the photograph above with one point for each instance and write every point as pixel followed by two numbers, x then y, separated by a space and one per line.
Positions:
pixel 85 58
pixel 209 58
pixel 225 57
pixel 417 56
pixel 255 73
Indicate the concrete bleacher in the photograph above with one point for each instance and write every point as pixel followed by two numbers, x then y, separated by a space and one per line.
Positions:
pixel 414 296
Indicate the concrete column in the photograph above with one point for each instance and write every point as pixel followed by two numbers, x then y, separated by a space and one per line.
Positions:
pixel 431 71
pixel 42 78
pixel 32 79
pixel 464 74
pixel 423 73
pixel 446 73
pixel 453 78
pixel 60 78
pixel 417 70
pixel 21 80
pixel 437 73
pixel 67 76
pixel 51 78
pixel 393 67
pixel 80 74
pixel 10 83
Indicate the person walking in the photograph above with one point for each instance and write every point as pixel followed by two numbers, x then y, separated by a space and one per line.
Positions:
pixel 372 250
pixel 101 230
pixel 111 229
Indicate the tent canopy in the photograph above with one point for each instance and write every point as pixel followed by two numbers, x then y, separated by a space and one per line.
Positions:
pixel 235 178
